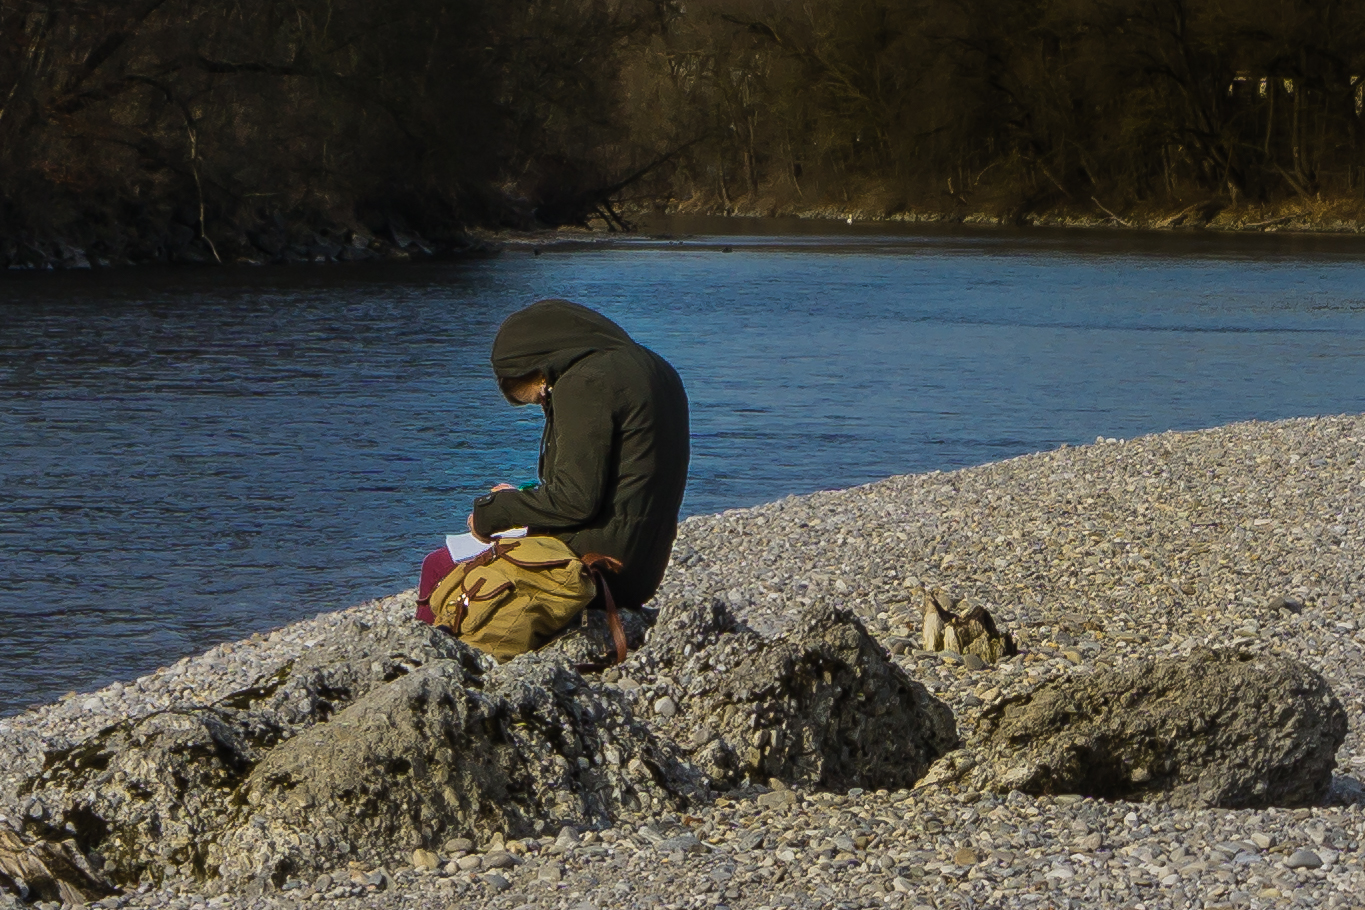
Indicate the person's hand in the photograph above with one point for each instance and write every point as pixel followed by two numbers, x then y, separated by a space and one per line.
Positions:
pixel 502 486
pixel 477 536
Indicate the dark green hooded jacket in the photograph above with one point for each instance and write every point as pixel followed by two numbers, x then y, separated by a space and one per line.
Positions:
pixel 613 458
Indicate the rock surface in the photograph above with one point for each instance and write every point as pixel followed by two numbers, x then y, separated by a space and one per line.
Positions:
pixel 148 795
pixel 441 753
pixel 813 703
pixel 1212 729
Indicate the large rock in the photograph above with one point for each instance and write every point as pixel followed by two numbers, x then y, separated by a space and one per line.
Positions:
pixel 808 698
pixel 431 757
pixel 147 796
pixel 1216 728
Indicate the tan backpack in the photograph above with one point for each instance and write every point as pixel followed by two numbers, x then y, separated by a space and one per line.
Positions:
pixel 519 594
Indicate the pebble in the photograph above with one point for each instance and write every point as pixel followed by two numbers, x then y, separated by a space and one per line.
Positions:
pixel 499 860
pixel 1303 859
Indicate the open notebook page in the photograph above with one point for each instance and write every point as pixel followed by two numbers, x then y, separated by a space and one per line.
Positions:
pixel 467 546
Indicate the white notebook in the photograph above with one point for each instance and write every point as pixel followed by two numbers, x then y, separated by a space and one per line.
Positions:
pixel 467 546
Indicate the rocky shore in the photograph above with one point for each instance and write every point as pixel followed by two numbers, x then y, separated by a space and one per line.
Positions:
pixel 672 781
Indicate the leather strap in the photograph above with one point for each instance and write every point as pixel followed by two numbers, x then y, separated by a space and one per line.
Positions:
pixel 595 563
pixel 618 634
pixel 459 616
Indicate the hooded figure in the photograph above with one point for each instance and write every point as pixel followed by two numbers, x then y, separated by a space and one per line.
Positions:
pixel 613 457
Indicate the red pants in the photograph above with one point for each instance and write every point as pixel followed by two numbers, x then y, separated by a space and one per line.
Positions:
pixel 436 566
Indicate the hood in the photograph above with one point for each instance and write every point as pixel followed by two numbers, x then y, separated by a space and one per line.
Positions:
pixel 549 336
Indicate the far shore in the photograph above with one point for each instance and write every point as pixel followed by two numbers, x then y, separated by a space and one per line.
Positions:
pixel 355 243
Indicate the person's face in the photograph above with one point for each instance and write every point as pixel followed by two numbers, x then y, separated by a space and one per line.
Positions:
pixel 531 392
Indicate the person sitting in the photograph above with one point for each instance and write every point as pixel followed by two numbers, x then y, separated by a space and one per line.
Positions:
pixel 614 451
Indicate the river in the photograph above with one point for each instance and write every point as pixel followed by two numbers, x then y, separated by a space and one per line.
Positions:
pixel 194 455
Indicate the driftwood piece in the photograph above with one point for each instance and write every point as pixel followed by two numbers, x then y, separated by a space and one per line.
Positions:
pixel 47 871
pixel 970 631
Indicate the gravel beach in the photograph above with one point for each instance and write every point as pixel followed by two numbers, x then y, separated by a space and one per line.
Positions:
pixel 1250 535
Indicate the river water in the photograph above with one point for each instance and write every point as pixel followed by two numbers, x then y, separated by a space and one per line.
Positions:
pixel 191 456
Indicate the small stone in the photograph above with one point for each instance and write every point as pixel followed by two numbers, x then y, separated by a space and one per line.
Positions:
pixel 776 799
pixel 469 863
pixel 1091 842
pixel 457 845
pixel 1303 859
pixel 1264 841
pixel 901 885
pixel 425 859
pixel 973 662
pixel 665 707
pixel 965 857
pixel 1288 604
pixel 685 843
pixel 495 881
pixel 499 860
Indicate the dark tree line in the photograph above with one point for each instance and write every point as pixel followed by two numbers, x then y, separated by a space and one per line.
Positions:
pixel 1023 104
pixel 232 120
pixel 228 120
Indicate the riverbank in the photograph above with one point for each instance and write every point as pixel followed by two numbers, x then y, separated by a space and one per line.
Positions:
pixel 1249 536
pixel 283 243
pixel 1299 215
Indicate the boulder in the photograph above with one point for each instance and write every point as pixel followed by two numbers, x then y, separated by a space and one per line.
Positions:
pixel 531 747
pixel 1213 729
pixel 146 796
pixel 811 700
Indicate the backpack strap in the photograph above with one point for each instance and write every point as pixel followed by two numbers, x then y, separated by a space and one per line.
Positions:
pixel 595 563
